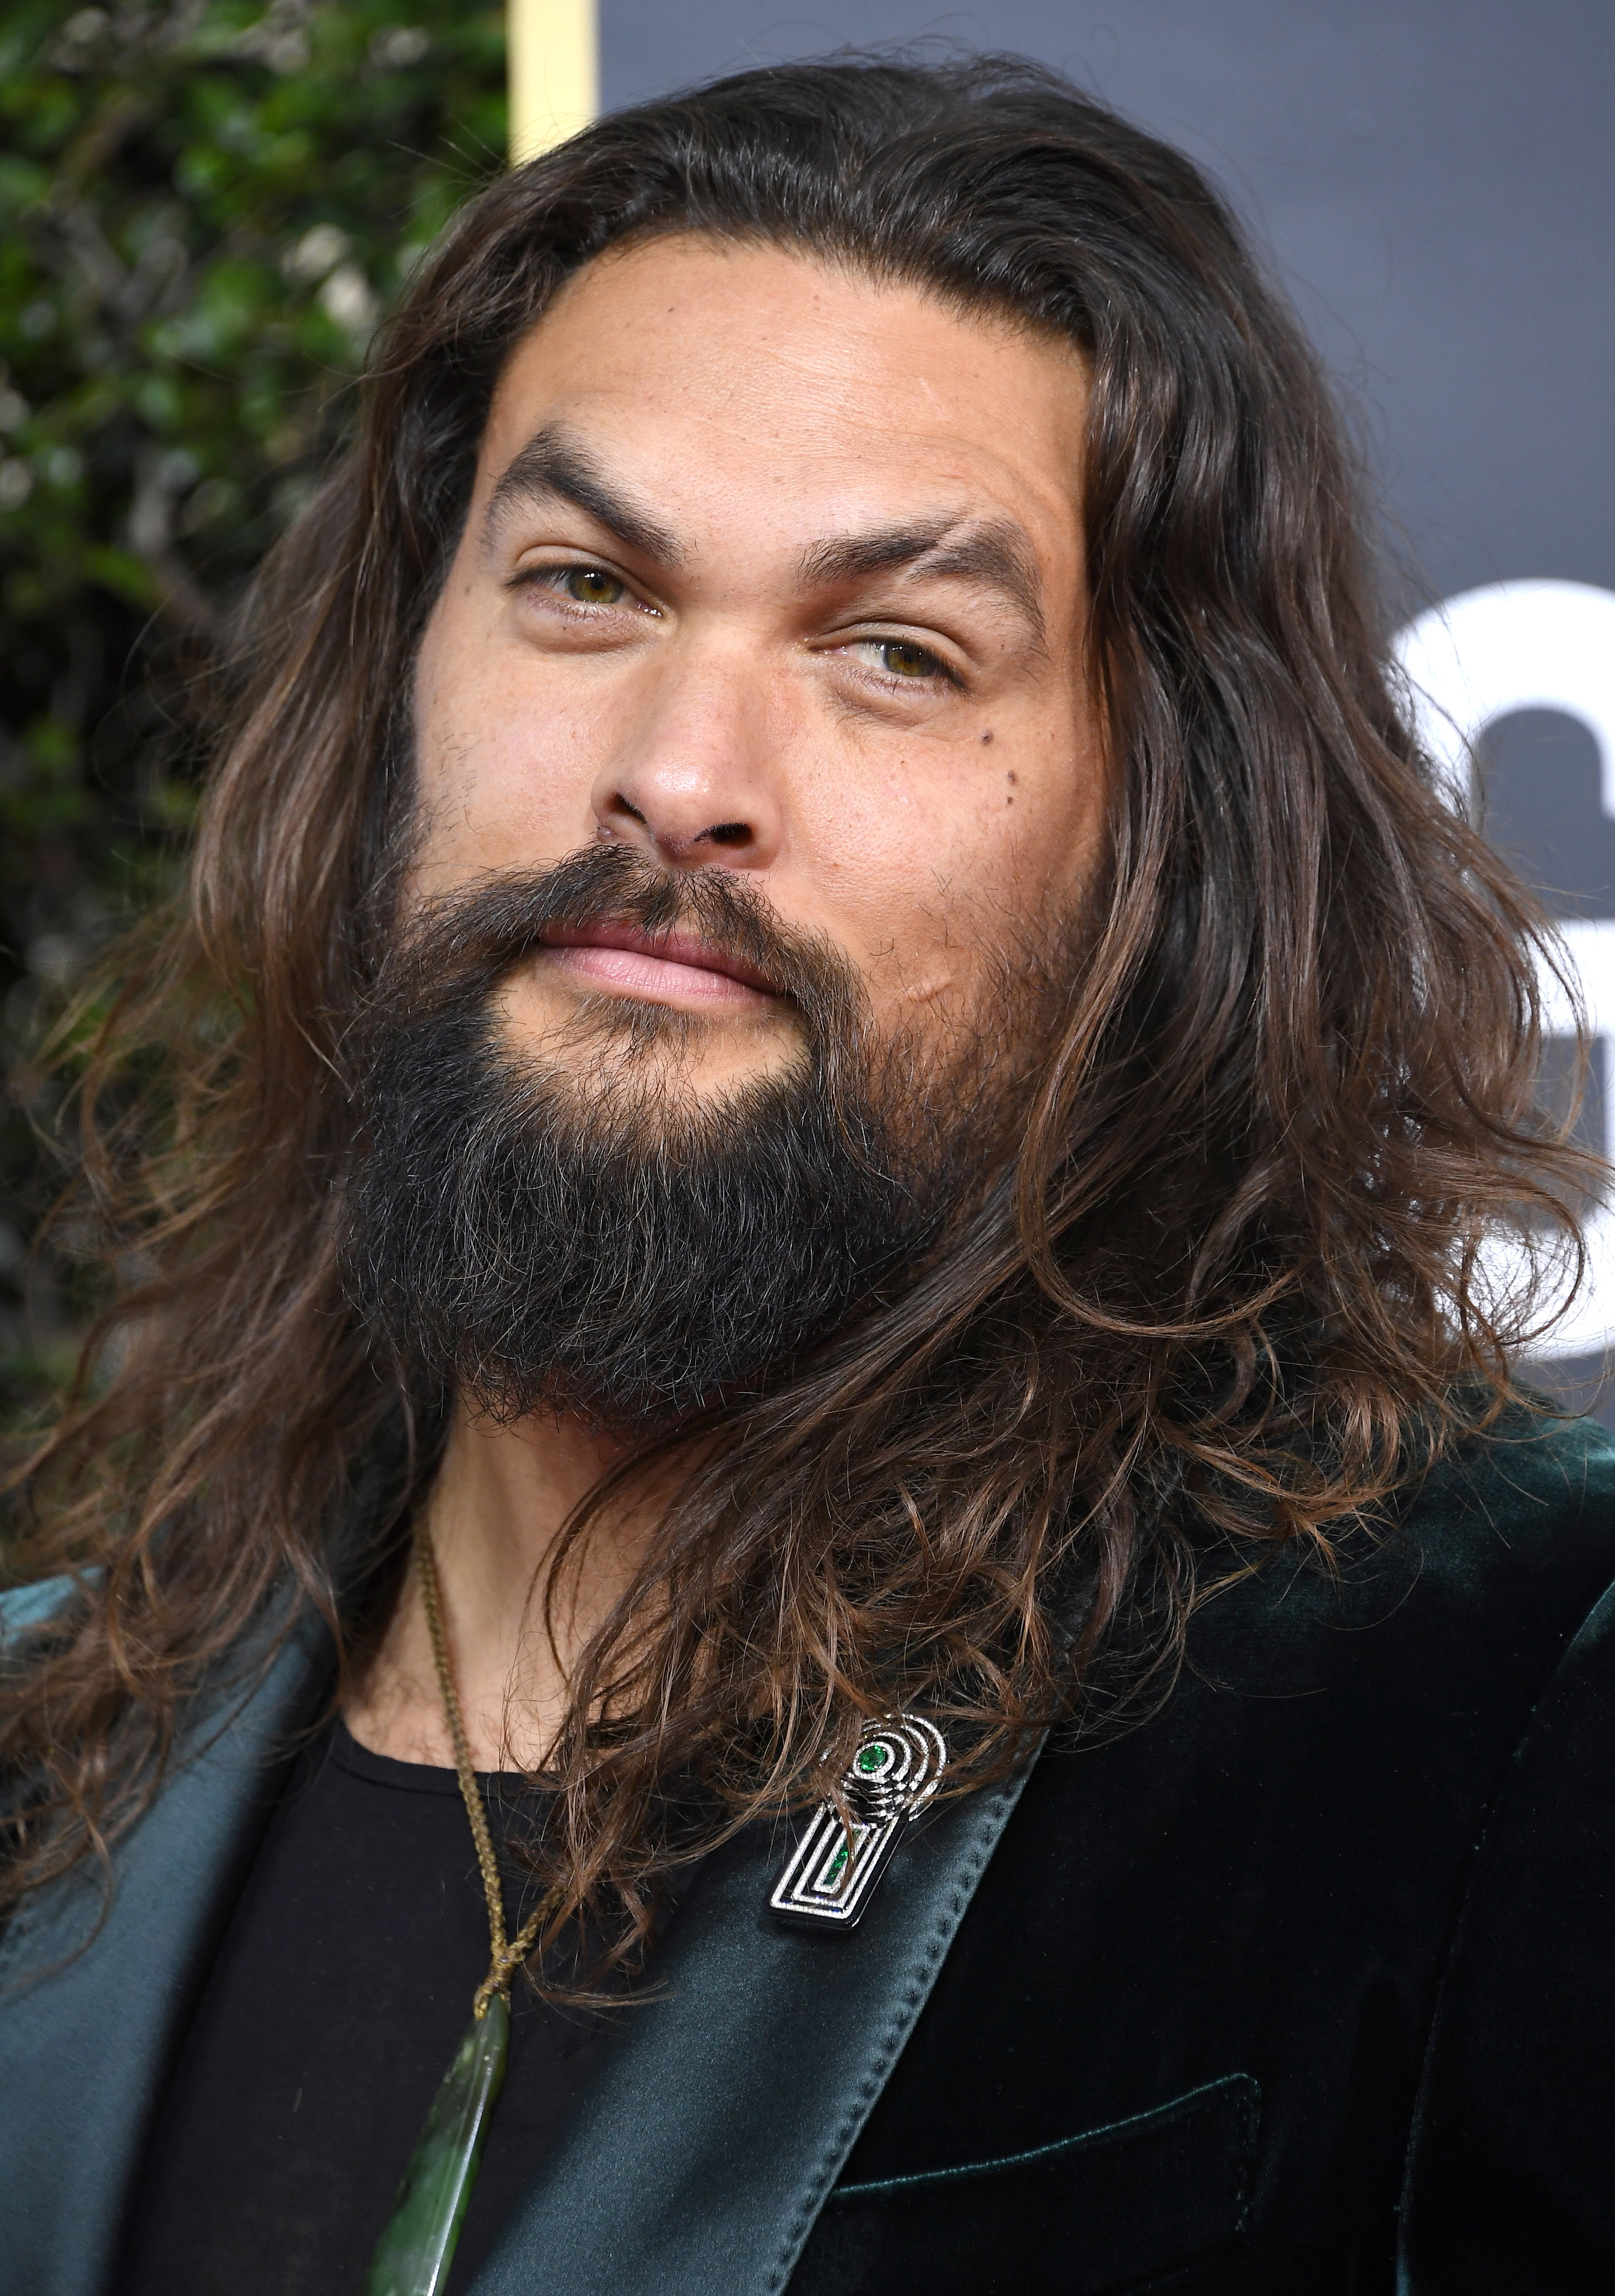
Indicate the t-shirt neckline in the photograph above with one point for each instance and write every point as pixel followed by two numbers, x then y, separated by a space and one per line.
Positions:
pixel 415 1777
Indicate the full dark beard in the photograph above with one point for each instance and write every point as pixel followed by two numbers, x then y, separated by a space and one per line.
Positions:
pixel 589 1234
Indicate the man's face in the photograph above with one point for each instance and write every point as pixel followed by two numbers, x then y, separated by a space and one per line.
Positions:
pixel 757 792
pixel 774 571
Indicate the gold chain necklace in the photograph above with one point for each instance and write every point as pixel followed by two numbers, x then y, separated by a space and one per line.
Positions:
pixel 414 2254
pixel 507 1959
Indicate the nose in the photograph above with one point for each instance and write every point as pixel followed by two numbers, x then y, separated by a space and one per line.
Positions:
pixel 695 783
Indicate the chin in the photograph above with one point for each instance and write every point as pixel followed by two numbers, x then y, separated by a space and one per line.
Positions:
pixel 607 1035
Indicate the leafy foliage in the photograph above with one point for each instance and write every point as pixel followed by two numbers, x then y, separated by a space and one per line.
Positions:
pixel 205 208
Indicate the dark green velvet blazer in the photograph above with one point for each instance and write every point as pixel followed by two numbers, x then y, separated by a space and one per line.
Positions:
pixel 1305 1986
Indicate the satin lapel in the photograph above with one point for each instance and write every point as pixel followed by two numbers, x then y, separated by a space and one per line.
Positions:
pixel 719 2118
pixel 86 2037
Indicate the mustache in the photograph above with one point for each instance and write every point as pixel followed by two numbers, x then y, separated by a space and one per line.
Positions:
pixel 480 932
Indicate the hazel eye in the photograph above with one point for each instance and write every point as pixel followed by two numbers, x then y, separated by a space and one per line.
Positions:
pixel 900 657
pixel 905 661
pixel 591 586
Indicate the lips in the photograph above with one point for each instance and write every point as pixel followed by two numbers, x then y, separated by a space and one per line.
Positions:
pixel 669 968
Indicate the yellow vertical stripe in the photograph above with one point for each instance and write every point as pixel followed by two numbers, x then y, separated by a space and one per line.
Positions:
pixel 553 68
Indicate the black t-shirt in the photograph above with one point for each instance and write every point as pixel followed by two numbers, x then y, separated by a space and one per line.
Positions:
pixel 342 1989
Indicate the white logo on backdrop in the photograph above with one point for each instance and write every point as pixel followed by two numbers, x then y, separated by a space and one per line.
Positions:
pixel 1535 645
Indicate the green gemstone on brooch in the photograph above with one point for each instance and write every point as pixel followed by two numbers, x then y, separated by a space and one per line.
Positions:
pixel 414 2254
pixel 874 1757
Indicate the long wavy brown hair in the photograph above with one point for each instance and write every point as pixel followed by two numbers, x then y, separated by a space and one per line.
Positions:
pixel 1237 1256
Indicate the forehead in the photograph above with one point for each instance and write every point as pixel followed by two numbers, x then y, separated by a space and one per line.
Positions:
pixel 756 378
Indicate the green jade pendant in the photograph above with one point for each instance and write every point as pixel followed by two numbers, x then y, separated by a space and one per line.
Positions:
pixel 415 2250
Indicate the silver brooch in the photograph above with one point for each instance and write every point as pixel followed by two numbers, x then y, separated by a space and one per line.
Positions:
pixel 830 1875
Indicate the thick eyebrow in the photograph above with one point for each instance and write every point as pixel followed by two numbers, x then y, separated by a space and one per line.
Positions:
pixel 994 551
pixel 555 467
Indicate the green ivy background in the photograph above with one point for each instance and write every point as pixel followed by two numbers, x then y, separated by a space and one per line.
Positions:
pixel 204 211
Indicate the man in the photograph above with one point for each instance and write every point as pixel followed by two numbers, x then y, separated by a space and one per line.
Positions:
pixel 807 1179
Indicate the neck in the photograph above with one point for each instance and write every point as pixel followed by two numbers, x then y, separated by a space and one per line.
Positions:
pixel 496 1508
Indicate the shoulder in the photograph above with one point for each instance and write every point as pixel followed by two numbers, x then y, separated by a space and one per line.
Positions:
pixel 1525 1486
pixel 1515 1524
pixel 1509 1537
pixel 1440 1626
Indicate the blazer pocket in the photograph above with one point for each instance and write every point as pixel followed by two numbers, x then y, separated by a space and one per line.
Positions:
pixel 1111 2209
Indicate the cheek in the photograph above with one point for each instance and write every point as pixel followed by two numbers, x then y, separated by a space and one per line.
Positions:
pixel 503 770
pixel 877 846
pixel 930 866
pixel 1043 824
